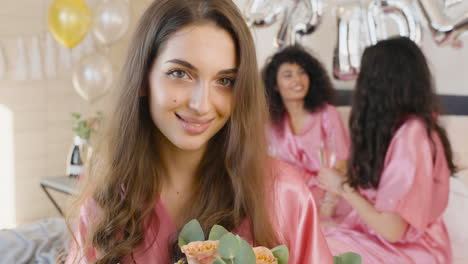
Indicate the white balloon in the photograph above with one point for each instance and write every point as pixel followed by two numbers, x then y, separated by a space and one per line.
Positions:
pixel 111 21
pixel 92 78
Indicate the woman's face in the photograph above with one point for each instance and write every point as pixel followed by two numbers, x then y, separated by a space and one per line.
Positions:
pixel 191 84
pixel 292 82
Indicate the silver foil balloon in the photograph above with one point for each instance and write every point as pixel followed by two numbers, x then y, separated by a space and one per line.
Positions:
pixel 352 38
pixel 286 34
pixel 93 76
pixel 263 13
pixel 445 30
pixel 300 17
pixel 111 21
pixel 449 3
pixel 307 16
pixel 398 11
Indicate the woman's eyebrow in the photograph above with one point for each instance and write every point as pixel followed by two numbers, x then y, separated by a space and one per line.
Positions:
pixel 183 63
pixel 228 71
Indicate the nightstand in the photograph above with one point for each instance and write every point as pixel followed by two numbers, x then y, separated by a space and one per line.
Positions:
pixel 64 184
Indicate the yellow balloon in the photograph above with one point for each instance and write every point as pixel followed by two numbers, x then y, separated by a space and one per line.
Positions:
pixel 69 21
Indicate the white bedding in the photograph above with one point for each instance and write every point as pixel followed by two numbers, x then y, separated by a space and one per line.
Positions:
pixel 37 243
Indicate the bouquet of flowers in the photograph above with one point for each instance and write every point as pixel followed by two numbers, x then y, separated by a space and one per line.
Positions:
pixel 223 247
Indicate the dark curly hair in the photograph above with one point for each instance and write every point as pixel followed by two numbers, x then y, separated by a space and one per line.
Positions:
pixel 320 90
pixel 395 82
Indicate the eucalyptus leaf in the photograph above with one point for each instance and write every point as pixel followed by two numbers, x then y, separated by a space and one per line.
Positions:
pixel 337 260
pixel 347 258
pixel 351 258
pixel 217 232
pixel 246 254
pixel 281 253
pixel 219 261
pixel 228 246
pixel 192 231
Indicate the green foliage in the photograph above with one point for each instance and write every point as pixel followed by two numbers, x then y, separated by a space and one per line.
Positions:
pixel 347 258
pixel 84 127
pixel 245 253
pixel 217 232
pixel 281 253
pixel 219 261
pixel 232 249
pixel 228 247
pixel 192 231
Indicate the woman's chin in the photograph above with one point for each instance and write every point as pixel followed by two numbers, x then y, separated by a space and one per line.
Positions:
pixel 192 144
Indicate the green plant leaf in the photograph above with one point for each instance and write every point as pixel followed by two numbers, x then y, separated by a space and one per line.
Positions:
pixel 219 261
pixel 75 115
pixel 192 231
pixel 246 254
pixel 337 260
pixel 228 246
pixel 281 253
pixel 217 232
pixel 348 258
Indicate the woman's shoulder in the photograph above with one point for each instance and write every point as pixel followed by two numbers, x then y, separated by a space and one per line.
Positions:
pixel 413 127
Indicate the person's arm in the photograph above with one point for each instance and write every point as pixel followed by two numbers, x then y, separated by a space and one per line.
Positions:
pixel 331 200
pixel 390 226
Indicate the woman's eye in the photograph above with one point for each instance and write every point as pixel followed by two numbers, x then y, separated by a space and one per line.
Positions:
pixel 179 74
pixel 228 82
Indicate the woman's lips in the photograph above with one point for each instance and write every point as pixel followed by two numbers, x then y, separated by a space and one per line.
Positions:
pixel 194 125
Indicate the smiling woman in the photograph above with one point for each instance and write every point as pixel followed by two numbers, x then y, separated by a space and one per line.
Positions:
pixel 191 95
pixel 186 140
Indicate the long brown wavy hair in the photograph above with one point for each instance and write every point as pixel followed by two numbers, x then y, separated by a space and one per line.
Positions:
pixel 125 171
pixel 395 83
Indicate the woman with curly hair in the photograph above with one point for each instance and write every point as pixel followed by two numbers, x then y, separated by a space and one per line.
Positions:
pixel 305 129
pixel 186 141
pixel 400 163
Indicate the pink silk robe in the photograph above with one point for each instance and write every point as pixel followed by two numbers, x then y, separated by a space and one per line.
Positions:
pixel 292 206
pixel 323 127
pixel 415 185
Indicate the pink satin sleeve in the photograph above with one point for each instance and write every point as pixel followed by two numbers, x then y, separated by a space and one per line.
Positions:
pixel 78 254
pixel 298 224
pixel 337 133
pixel 414 182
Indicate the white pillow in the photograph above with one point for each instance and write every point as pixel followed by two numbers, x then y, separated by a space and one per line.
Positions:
pixel 456 220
